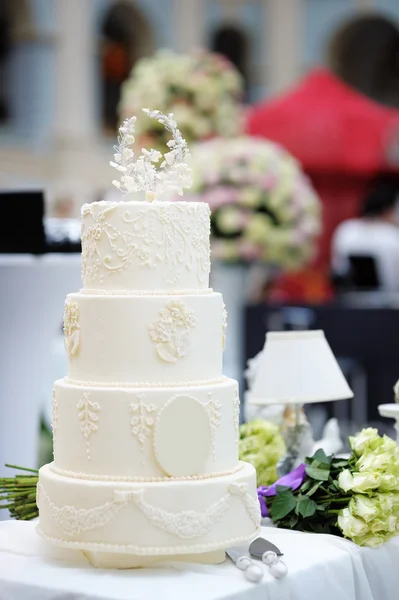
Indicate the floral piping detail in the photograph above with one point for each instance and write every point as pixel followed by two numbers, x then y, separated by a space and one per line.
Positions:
pixel 171 331
pixel 74 521
pixel 142 420
pixel 187 524
pixel 87 414
pixel 174 237
pixel 213 407
pixel 71 327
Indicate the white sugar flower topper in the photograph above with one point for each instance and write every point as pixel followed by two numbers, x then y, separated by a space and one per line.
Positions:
pixel 141 174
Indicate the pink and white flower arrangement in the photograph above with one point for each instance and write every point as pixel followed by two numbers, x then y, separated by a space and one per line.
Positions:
pixel 202 90
pixel 263 206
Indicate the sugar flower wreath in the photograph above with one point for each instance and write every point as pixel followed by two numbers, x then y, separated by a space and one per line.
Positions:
pixel 141 174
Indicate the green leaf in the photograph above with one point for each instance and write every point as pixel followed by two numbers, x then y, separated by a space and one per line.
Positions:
pixel 306 507
pixel 339 464
pixel 321 457
pixel 282 505
pixel 293 521
pixel 314 488
pixel 317 473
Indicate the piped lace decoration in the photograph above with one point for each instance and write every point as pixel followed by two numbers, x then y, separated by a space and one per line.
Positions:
pixel 170 332
pixel 213 407
pixel 71 327
pixel 174 238
pixel 187 524
pixel 74 521
pixel 143 419
pixel 88 417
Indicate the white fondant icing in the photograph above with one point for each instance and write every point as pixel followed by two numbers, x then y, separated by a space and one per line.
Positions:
pixel 54 420
pixel 117 345
pixel 115 450
pixel 144 340
pixel 182 436
pixel 145 246
pixel 105 515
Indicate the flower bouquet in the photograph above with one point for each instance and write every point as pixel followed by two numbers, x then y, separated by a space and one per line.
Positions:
pixel 202 90
pixel 263 207
pixel 357 498
pixel 262 445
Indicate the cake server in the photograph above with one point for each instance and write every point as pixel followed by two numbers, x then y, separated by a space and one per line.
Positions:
pixel 259 546
pixel 240 558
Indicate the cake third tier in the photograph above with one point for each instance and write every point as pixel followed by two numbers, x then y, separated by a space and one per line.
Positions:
pixel 145 434
pixel 141 341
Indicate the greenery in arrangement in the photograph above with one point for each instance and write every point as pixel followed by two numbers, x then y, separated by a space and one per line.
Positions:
pixel 263 207
pixel 357 498
pixel 18 493
pixel 262 445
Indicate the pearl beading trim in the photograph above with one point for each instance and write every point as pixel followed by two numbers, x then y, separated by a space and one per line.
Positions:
pixel 93 477
pixel 150 550
pixel 141 384
pixel 133 293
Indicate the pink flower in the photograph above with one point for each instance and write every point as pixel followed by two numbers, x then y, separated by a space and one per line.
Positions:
pixel 268 181
pixel 220 196
pixel 248 250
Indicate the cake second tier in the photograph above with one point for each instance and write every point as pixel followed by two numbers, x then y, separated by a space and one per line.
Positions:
pixel 155 340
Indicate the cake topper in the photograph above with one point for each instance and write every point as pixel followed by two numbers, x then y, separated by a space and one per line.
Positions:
pixel 141 174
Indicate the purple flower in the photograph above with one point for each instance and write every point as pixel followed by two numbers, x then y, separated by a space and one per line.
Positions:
pixel 293 480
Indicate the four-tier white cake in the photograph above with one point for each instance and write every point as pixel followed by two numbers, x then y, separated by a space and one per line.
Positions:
pixel 145 425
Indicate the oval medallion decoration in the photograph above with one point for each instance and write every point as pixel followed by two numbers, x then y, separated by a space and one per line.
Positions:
pixel 182 437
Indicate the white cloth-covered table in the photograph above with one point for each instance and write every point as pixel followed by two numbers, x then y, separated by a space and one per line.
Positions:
pixel 319 567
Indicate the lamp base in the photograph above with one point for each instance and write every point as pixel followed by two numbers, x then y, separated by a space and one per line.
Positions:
pixel 299 443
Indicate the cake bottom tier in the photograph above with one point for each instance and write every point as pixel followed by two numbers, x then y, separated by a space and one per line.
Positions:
pixel 152 519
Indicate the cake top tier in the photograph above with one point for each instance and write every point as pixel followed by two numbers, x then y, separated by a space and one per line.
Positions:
pixel 138 247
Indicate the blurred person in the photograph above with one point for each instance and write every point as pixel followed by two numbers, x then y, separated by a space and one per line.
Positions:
pixel 374 234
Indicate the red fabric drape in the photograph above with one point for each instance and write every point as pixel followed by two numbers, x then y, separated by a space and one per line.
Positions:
pixel 341 138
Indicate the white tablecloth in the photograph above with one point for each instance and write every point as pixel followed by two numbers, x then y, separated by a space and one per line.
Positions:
pixel 320 567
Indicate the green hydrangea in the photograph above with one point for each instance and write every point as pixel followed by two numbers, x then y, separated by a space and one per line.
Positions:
pixel 262 445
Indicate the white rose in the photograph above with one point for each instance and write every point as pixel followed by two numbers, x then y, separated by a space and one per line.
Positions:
pixel 363 507
pixel 345 480
pixel 363 482
pixel 351 526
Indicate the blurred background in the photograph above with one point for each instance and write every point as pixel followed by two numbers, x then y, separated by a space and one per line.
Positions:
pixel 291 110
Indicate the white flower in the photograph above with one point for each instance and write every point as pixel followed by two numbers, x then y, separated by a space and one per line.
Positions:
pixel 350 525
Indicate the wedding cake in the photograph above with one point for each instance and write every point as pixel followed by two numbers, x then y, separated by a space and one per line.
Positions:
pixel 145 425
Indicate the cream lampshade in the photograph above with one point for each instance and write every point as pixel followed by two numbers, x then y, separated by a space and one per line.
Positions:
pixel 298 367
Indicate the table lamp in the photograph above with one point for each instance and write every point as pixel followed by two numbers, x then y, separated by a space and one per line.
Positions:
pixel 297 368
